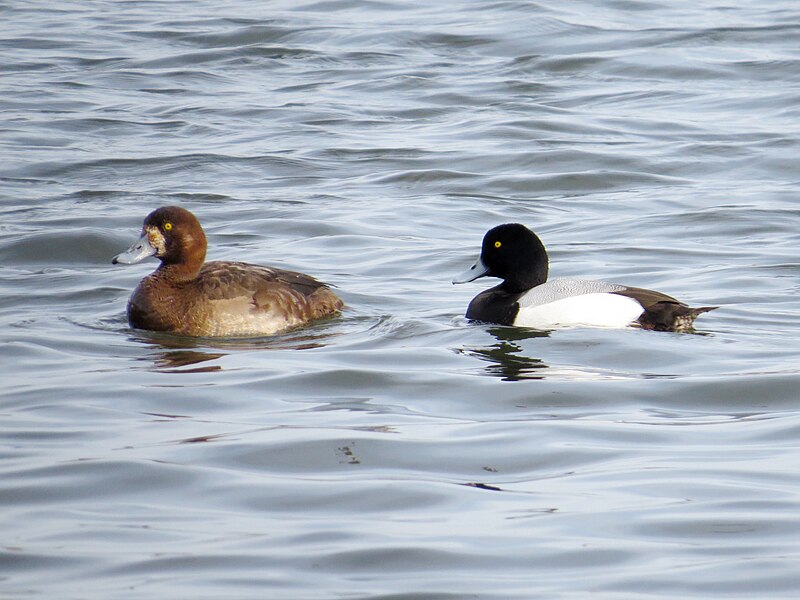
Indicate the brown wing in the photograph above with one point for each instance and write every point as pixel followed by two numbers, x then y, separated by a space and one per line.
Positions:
pixel 268 288
pixel 662 312
pixel 647 298
pixel 226 280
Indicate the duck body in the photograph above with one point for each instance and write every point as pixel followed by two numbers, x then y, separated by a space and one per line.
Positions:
pixel 187 296
pixel 526 298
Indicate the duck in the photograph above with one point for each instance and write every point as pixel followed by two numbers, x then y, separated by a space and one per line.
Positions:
pixel 187 296
pixel 526 298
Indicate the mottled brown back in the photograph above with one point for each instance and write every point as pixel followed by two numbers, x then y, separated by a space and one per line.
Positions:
pixel 229 299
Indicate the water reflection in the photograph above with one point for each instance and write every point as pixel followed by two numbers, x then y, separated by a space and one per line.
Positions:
pixel 502 356
pixel 172 353
pixel 174 361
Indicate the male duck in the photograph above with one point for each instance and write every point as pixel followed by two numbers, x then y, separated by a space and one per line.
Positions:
pixel 516 255
pixel 186 296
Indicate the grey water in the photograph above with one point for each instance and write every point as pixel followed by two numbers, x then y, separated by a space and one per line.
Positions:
pixel 398 451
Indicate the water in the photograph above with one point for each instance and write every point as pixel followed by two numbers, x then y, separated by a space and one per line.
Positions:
pixel 399 452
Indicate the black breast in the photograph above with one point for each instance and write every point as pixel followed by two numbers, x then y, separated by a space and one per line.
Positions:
pixel 494 306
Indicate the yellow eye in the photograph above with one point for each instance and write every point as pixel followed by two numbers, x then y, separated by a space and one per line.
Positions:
pixel 498 244
pixel 167 226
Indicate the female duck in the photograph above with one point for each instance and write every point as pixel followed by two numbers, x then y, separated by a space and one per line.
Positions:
pixel 516 255
pixel 186 296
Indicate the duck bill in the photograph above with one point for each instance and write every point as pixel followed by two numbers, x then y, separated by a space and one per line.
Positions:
pixel 136 253
pixel 474 272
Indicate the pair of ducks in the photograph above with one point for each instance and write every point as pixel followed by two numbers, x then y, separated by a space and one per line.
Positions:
pixel 187 296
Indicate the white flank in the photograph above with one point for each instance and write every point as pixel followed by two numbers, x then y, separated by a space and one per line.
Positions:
pixel 585 310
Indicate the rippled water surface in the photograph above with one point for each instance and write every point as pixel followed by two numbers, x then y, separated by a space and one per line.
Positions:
pixel 398 451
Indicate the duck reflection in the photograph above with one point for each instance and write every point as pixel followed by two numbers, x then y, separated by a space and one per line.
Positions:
pixel 502 356
pixel 173 354
pixel 175 361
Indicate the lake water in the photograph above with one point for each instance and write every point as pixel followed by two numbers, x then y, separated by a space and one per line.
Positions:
pixel 399 452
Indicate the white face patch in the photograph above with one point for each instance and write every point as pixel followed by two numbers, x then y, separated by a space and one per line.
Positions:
pixel 156 239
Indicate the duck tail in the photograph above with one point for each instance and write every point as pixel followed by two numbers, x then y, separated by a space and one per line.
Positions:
pixel 672 317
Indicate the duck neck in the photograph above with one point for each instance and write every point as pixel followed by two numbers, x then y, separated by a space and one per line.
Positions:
pixel 185 268
pixel 177 273
pixel 522 282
